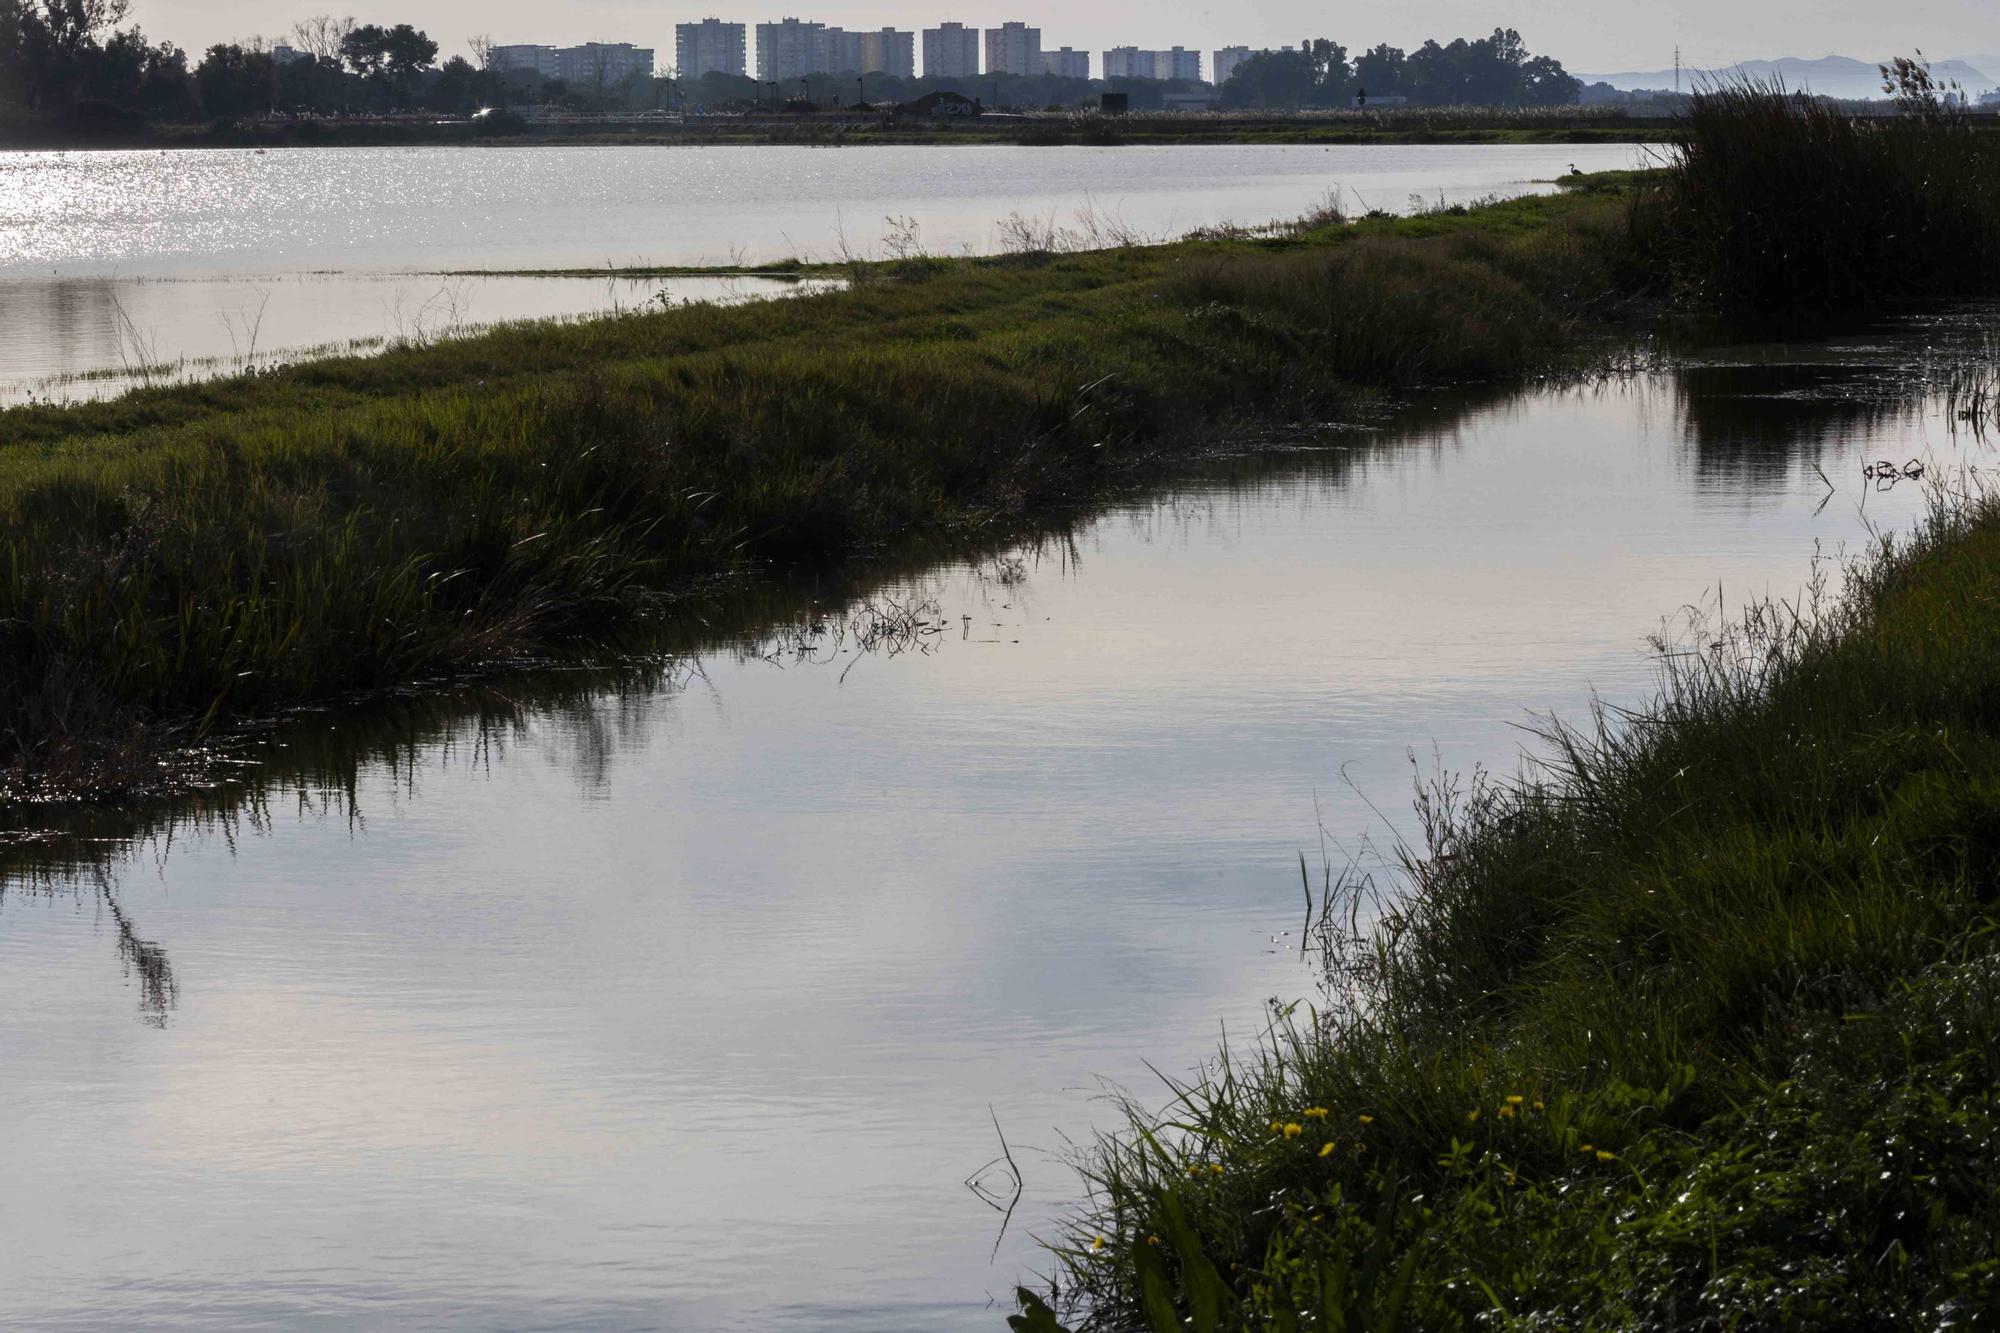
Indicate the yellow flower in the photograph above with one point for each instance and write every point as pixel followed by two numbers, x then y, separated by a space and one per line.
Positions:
pixel 1588 1148
pixel 1367 1119
pixel 1152 1240
pixel 1326 1150
pixel 1538 1105
pixel 1315 1113
pixel 1513 1099
pixel 1604 1156
pixel 1294 1129
pixel 1506 1113
pixel 1275 1127
pixel 1097 1245
pixel 1472 1116
pixel 1215 1168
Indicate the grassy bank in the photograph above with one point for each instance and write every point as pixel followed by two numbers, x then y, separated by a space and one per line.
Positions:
pixel 1697 1027
pixel 1700 1030
pixel 183 555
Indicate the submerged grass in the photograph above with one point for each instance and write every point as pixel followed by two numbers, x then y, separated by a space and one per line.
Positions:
pixel 189 553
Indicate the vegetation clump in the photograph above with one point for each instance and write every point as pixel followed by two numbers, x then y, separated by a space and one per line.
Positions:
pixel 1772 201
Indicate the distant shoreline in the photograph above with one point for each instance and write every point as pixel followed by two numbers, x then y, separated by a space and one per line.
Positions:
pixel 1037 130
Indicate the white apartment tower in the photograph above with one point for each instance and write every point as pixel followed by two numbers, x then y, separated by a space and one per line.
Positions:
pixel 789 49
pixel 1178 63
pixel 1014 48
pixel 889 51
pixel 1226 60
pixel 1066 64
pixel 710 47
pixel 884 51
pixel 1129 62
pixel 951 51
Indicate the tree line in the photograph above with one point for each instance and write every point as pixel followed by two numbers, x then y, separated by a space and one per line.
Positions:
pixel 72 59
pixel 1487 71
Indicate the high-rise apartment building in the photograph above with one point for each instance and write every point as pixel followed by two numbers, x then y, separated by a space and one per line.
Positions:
pixel 1014 48
pixel 1129 62
pixel 951 51
pixel 710 47
pixel 889 51
pixel 593 64
pixel 789 49
pixel 540 59
pixel 883 51
pixel 1066 64
pixel 1224 62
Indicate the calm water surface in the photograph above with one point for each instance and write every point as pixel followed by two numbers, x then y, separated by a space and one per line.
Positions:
pixel 683 1004
pixel 110 259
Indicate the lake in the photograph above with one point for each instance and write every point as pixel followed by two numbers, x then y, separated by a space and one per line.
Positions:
pixel 690 997
pixel 207 261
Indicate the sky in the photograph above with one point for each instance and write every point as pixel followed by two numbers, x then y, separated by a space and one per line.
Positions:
pixel 1594 36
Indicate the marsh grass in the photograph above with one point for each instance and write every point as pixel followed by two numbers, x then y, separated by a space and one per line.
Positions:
pixel 187 554
pixel 1695 1025
pixel 1772 201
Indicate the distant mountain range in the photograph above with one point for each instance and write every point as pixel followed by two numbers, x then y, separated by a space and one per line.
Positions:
pixel 1833 76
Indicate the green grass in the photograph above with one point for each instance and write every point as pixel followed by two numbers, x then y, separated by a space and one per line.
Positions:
pixel 1698 1029
pixel 180 556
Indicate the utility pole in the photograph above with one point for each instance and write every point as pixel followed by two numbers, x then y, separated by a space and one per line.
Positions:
pixel 1677 69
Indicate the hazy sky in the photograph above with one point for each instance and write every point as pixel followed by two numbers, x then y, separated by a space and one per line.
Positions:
pixel 1598 36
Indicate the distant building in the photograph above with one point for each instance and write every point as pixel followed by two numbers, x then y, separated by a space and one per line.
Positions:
pixel 601 64
pixel 710 47
pixel 594 64
pixel 282 55
pixel 790 49
pixel 1129 62
pixel 942 105
pixel 1014 48
pixel 1223 63
pixel 1229 57
pixel 535 59
pixel 1188 101
pixel 951 51
pixel 884 51
pixel 1066 64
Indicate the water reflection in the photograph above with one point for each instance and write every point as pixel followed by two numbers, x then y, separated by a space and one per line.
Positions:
pixel 73 338
pixel 678 993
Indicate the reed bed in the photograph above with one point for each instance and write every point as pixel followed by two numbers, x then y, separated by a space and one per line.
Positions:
pixel 1773 202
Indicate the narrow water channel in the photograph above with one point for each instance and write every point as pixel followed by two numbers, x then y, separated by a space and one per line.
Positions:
pixel 691 1001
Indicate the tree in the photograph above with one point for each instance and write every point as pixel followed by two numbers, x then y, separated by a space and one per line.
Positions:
pixel 322 37
pixel 481 47
pixel 236 82
pixel 47 45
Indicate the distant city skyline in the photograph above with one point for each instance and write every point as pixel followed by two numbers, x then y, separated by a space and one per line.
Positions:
pixel 1586 35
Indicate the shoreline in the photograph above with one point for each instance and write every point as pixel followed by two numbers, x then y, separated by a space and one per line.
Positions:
pixel 1037 130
